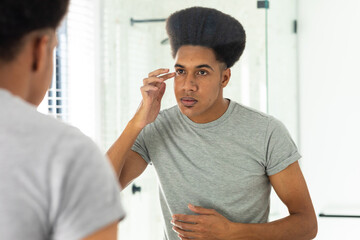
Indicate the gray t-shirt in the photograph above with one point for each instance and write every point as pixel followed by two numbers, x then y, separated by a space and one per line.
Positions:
pixel 223 165
pixel 54 182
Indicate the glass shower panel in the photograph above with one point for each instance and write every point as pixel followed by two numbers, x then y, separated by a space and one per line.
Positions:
pixel 282 63
pixel 282 75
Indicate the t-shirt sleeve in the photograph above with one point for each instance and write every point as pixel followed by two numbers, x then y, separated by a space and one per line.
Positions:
pixel 84 192
pixel 140 145
pixel 280 149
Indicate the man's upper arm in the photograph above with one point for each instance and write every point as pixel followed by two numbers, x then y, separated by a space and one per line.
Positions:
pixel 134 165
pixel 290 186
pixel 107 233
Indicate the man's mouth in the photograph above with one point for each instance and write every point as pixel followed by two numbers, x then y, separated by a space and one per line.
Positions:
pixel 188 101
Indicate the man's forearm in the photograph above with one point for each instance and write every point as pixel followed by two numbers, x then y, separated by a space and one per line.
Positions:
pixel 296 226
pixel 152 92
pixel 118 151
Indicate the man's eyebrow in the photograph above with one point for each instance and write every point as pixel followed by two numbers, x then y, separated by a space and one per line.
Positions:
pixel 179 65
pixel 199 66
pixel 205 66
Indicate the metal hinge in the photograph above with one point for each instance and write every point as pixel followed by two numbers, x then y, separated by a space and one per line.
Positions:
pixel 295 26
pixel 263 4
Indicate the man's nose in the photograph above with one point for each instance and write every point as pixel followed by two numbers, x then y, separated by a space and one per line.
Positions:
pixel 190 83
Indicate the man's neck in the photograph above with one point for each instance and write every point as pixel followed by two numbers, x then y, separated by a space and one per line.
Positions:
pixel 13 79
pixel 220 110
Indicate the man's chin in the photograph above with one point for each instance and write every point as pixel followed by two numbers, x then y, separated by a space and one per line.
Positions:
pixel 187 111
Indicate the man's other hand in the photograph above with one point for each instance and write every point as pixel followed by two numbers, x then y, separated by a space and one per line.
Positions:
pixel 209 224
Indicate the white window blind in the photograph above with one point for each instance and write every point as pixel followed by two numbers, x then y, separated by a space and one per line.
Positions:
pixel 55 102
pixel 75 90
pixel 57 94
pixel 83 66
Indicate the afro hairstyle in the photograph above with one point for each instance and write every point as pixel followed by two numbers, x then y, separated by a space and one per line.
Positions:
pixel 210 28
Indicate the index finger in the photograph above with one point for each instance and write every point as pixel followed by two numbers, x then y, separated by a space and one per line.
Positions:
pixel 167 76
pixel 158 72
pixel 186 218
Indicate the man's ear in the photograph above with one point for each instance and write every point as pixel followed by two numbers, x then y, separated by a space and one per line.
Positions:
pixel 225 77
pixel 41 46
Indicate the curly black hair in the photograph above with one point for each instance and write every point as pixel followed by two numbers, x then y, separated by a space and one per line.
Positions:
pixel 20 17
pixel 207 27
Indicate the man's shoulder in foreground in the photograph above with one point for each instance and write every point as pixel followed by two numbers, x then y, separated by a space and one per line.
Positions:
pixel 21 119
pixel 61 174
pixel 22 125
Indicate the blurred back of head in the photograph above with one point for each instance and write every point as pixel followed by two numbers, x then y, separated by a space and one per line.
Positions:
pixel 21 17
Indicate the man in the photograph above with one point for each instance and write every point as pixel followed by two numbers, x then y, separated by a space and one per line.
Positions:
pixel 215 159
pixel 54 182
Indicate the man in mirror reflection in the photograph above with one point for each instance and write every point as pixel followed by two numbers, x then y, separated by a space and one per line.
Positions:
pixel 216 160
pixel 54 182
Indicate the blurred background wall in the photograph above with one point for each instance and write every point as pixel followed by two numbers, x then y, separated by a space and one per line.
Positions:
pixel 329 81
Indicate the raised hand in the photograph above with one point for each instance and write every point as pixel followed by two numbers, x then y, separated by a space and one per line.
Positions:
pixel 152 91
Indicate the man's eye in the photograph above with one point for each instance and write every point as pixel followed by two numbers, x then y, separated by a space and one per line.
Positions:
pixel 202 73
pixel 180 71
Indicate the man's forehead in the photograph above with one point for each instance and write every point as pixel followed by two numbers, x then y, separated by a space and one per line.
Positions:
pixel 195 56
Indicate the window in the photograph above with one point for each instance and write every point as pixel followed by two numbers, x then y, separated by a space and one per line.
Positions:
pixel 74 93
pixel 57 94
